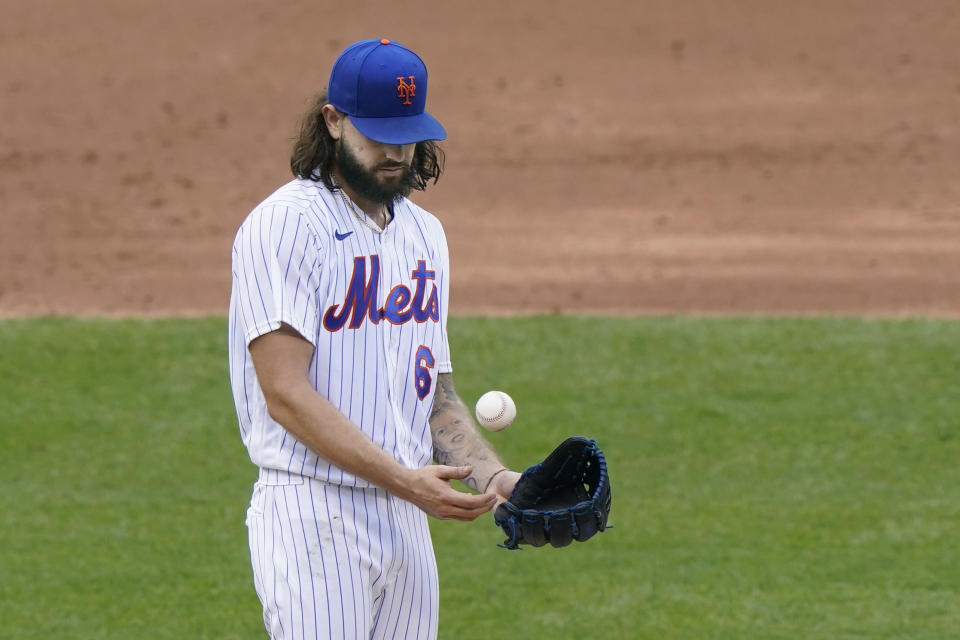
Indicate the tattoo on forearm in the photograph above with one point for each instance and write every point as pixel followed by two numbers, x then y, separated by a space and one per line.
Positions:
pixel 455 438
pixel 441 455
pixel 444 398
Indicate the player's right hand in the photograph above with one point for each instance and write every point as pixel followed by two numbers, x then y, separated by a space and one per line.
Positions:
pixel 429 488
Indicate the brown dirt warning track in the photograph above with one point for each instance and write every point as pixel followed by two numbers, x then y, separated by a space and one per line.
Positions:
pixel 609 157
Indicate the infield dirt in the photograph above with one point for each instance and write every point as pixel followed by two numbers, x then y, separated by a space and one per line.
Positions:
pixel 612 157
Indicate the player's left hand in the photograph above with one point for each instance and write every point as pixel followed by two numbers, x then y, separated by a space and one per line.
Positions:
pixel 502 485
pixel 565 497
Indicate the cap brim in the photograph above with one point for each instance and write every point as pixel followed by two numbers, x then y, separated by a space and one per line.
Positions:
pixel 401 129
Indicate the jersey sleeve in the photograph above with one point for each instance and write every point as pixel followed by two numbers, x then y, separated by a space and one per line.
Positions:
pixel 275 273
pixel 444 361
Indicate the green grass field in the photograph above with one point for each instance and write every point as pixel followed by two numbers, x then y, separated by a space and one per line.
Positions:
pixel 773 478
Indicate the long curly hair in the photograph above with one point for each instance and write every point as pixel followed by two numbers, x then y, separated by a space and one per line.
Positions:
pixel 314 151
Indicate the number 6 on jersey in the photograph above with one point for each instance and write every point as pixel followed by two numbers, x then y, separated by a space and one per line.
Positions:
pixel 425 362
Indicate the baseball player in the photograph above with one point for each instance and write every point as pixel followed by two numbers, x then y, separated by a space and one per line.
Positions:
pixel 340 366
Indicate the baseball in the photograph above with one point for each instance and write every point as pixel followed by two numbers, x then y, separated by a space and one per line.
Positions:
pixel 496 410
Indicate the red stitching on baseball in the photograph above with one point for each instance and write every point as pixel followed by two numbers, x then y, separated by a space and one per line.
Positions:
pixel 503 408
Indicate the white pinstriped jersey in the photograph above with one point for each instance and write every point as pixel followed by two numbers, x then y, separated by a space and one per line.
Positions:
pixel 374 306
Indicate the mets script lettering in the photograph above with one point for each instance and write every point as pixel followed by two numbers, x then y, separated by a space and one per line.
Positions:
pixel 406 91
pixel 400 306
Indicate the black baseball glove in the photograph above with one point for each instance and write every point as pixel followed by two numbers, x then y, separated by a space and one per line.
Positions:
pixel 564 498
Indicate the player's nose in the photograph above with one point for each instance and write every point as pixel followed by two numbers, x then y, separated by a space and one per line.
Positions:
pixel 399 153
pixel 393 152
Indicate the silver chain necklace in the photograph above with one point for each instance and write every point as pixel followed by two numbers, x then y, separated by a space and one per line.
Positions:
pixel 357 215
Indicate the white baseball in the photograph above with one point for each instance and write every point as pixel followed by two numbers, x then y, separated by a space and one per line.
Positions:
pixel 496 410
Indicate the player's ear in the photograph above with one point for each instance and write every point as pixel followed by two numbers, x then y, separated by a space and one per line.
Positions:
pixel 334 120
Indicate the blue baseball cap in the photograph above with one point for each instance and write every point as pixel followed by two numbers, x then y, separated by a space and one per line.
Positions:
pixel 382 86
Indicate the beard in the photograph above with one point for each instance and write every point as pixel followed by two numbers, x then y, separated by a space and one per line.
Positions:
pixel 366 182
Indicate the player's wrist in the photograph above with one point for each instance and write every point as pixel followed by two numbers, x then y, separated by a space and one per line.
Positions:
pixel 401 483
pixel 502 482
pixel 489 482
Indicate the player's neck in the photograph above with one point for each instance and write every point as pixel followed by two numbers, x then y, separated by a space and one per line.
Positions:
pixel 379 213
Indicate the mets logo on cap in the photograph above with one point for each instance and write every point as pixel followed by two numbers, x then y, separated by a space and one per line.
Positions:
pixel 406 90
